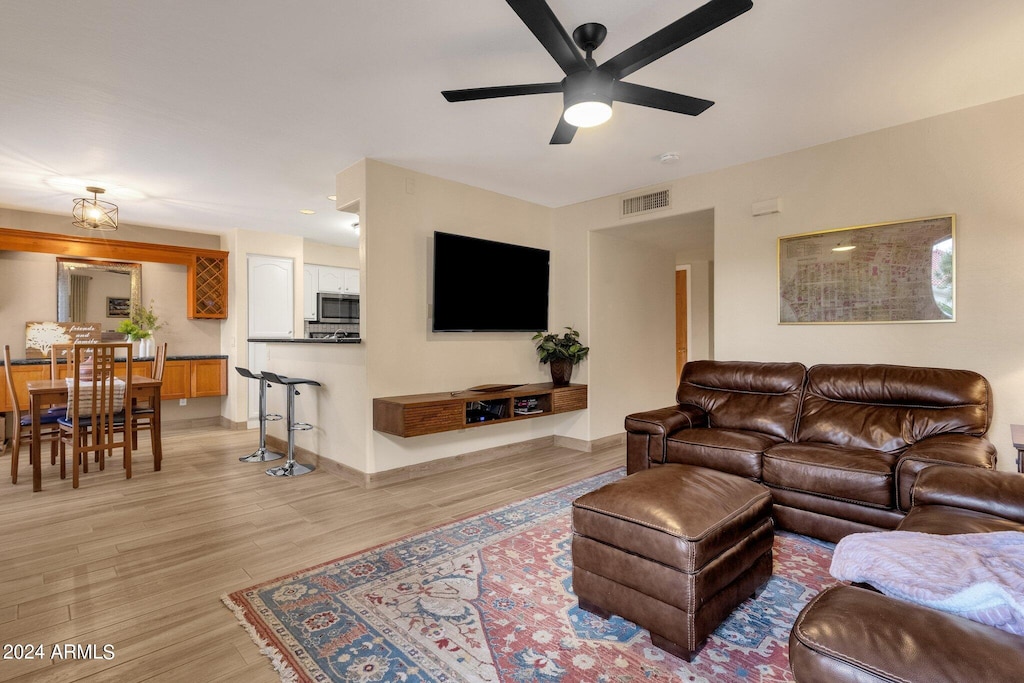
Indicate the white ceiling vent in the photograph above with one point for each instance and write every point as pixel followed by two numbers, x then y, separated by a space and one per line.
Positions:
pixel 645 203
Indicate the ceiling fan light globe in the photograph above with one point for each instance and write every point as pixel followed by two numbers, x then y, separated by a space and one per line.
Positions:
pixel 588 114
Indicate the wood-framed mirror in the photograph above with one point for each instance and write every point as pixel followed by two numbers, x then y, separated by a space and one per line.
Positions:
pixel 91 290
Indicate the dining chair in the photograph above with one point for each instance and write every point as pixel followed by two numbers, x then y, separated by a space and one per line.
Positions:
pixel 23 423
pixel 95 421
pixel 144 413
pixel 60 352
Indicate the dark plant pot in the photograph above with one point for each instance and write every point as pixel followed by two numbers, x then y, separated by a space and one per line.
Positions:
pixel 561 372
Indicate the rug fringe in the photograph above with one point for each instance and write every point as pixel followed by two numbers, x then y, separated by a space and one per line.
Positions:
pixel 287 673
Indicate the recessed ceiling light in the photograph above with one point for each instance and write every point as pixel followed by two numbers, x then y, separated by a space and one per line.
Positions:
pixel 307 212
pixel 333 197
pixel 669 158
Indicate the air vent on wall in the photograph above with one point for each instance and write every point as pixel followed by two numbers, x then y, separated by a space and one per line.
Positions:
pixel 644 203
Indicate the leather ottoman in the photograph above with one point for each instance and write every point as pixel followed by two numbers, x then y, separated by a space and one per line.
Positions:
pixel 673 549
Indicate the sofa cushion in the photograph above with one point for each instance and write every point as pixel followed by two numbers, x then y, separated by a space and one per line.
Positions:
pixel 727 450
pixel 751 396
pixel 945 519
pixel 860 475
pixel 888 407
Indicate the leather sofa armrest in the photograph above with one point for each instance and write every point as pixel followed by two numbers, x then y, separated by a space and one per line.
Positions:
pixel 945 449
pixel 847 634
pixel 647 432
pixel 995 493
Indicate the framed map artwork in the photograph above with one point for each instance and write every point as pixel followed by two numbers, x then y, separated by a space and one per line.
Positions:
pixel 901 271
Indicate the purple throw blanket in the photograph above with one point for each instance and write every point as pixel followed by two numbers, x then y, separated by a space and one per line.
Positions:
pixel 976 576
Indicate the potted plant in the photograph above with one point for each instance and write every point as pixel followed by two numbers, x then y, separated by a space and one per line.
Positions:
pixel 141 326
pixel 561 352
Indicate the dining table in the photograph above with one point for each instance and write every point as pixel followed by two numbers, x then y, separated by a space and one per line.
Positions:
pixel 43 393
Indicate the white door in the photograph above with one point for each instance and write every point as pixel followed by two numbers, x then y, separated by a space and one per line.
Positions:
pixel 271 297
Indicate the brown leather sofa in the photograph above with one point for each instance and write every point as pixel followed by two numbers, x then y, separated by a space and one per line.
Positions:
pixel 853 633
pixel 839 445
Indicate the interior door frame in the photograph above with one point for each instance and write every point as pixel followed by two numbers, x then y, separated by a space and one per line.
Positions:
pixel 689 309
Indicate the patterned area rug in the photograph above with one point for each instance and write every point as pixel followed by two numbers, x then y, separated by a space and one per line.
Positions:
pixel 489 598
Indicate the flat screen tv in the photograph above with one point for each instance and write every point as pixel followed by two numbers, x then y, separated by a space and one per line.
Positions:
pixel 486 286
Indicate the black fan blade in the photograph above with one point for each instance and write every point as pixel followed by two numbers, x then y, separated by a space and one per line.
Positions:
pixel 564 132
pixel 500 91
pixel 695 24
pixel 631 93
pixel 539 18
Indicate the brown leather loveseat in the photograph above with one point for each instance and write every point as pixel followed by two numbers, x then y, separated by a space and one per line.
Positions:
pixel 840 446
pixel 851 633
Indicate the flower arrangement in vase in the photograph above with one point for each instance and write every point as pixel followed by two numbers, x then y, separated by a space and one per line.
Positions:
pixel 140 327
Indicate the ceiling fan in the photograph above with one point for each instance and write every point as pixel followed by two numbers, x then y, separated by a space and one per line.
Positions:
pixel 588 89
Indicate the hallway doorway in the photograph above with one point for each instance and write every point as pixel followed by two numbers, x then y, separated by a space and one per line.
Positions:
pixel 682 317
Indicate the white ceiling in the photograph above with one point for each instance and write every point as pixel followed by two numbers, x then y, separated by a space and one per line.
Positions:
pixel 238 113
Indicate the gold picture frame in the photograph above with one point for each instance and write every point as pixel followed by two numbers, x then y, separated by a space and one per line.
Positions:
pixel 900 271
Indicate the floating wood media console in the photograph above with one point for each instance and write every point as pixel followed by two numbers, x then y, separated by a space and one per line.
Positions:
pixel 421 414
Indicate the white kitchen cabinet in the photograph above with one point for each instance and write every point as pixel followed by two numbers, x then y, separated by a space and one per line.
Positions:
pixel 338 280
pixel 310 276
pixel 330 279
pixel 271 297
pixel 351 281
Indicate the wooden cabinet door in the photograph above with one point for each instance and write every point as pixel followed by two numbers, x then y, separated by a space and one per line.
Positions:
pixel 208 287
pixel 209 377
pixel 177 379
pixel 22 375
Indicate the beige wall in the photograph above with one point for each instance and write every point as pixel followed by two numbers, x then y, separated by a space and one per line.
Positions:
pixel 28 284
pixel 329 255
pixel 400 212
pixel 632 304
pixel 967 163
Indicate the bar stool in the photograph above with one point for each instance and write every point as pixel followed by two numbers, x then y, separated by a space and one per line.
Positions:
pixel 261 454
pixel 291 468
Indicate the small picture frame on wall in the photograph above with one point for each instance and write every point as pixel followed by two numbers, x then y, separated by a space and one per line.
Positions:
pixel 901 271
pixel 118 307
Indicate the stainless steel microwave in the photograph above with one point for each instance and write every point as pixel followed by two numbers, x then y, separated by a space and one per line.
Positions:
pixel 337 308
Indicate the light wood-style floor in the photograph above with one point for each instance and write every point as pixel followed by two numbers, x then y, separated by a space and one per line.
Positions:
pixel 141 564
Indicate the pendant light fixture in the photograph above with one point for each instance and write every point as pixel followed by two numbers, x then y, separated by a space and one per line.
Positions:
pixel 94 214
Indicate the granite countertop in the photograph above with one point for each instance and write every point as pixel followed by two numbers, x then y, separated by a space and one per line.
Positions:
pixel 328 340
pixel 135 359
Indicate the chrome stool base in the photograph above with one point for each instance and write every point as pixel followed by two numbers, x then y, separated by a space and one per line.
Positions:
pixel 261 455
pixel 290 469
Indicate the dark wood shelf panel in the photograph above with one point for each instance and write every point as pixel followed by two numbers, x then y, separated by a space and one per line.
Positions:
pixel 420 414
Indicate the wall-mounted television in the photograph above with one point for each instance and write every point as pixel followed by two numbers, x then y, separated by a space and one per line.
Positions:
pixel 486 286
